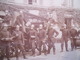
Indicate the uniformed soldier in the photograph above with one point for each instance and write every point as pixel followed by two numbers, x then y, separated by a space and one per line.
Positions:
pixel 4 42
pixel 18 42
pixel 51 40
pixel 33 36
pixel 64 38
pixel 73 34
pixel 42 38
pixel 27 39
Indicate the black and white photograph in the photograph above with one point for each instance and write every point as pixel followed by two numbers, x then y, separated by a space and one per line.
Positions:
pixel 39 29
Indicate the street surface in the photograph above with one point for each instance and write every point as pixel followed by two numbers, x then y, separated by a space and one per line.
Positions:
pixel 70 55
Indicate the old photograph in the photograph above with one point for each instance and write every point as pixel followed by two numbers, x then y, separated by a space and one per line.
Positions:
pixel 39 29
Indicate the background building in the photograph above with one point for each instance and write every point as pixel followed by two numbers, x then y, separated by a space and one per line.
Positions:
pixel 47 3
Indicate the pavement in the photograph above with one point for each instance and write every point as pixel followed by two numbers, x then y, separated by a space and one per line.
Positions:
pixel 70 55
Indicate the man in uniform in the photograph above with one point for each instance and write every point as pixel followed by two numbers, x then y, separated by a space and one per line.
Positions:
pixel 33 36
pixel 4 41
pixel 64 38
pixel 42 38
pixel 18 41
pixel 73 34
pixel 51 40
pixel 27 39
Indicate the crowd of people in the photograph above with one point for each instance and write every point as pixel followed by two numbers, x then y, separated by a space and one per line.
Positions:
pixel 13 40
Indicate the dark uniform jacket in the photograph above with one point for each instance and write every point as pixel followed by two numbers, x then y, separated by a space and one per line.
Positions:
pixel 65 34
pixel 18 36
pixel 4 38
pixel 32 34
pixel 51 32
pixel 42 34
pixel 73 33
pixel 5 35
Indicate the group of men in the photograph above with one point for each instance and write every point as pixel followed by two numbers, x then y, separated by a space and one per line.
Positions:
pixel 8 39
pixel 33 39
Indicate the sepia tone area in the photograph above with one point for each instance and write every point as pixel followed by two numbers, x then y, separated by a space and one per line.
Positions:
pixel 39 30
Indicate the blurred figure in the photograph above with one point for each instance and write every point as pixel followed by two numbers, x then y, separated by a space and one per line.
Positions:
pixel 18 42
pixel 33 36
pixel 73 34
pixel 42 39
pixel 8 17
pixel 27 39
pixel 64 38
pixel 4 42
pixel 51 40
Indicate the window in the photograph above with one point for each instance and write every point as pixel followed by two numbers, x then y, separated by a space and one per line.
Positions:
pixel 30 1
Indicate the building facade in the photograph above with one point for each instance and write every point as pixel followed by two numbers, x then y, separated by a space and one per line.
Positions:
pixel 47 3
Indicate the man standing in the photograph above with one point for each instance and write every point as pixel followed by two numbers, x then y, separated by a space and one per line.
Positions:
pixel 64 38
pixel 4 41
pixel 42 38
pixel 19 41
pixel 27 39
pixel 33 36
pixel 51 40
pixel 73 34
